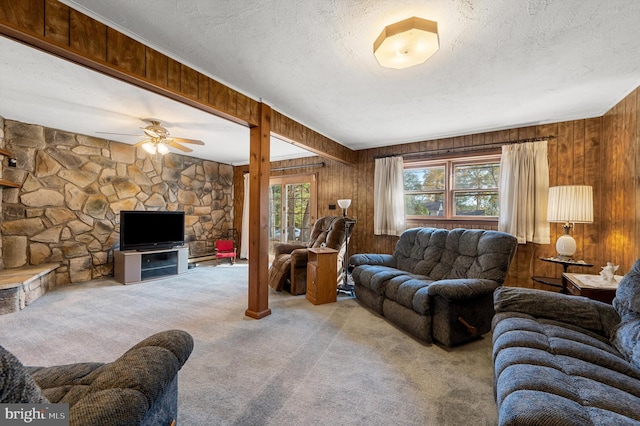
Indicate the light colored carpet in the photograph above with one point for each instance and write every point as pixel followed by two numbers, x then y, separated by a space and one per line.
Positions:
pixel 333 364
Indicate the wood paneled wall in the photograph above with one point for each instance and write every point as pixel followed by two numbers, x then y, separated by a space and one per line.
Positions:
pixel 602 152
pixel 294 132
pixel 619 172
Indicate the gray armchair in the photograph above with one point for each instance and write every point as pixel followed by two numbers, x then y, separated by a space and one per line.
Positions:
pixel 290 263
pixel 139 388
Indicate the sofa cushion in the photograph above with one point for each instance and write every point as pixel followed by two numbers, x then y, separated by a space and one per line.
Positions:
pixel 626 338
pixel 454 254
pixel 461 250
pixel 626 335
pixel 409 291
pixel 556 339
pixel 548 372
pixel 375 277
pixel 16 384
pixel 584 313
pixel 627 300
pixel 419 249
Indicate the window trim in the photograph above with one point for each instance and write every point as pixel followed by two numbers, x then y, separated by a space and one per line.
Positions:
pixel 450 162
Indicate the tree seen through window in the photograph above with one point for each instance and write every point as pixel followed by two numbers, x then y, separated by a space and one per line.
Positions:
pixel 463 187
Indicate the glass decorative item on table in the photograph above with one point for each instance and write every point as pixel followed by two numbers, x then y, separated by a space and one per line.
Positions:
pixel 608 272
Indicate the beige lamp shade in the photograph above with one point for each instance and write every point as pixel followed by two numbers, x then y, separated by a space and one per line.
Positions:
pixel 406 43
pixel 570 204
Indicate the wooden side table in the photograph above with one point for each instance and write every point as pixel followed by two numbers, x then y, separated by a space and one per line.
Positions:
pixel 322 275
pixel 559 282
pixel 591 286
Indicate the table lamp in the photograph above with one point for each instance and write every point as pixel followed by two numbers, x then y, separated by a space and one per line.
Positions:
pixel 569 204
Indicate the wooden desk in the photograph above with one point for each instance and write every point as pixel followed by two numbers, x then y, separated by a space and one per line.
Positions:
pixel 591 286
pixel 322 275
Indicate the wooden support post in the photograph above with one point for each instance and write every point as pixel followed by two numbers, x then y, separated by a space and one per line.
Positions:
pixel 259 169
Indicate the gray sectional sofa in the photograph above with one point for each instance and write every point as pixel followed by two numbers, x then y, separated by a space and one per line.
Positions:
pixel 567 360
pixel 438 284
pixel 139 388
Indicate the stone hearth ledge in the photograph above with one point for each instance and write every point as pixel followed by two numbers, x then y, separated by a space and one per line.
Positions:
pixel 19 287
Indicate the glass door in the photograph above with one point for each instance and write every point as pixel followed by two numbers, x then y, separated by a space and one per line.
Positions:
pixel 292 209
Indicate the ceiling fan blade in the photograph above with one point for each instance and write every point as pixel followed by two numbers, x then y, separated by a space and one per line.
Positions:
pixel 178 146
pixel 193 141
pixel 150 132
pixel 121 134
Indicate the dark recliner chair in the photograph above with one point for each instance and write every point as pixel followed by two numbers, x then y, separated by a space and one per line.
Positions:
pixel 139 388
pixel 290 261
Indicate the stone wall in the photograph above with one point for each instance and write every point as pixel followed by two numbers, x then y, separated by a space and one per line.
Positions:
pixel 74 186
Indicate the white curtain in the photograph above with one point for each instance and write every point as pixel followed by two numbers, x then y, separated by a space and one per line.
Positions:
pixel 244 238
pixel 524 188
pixel 388 196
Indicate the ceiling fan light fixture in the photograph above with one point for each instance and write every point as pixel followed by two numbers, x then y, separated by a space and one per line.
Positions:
pixel 159 142
pixel 150 147
pixel 406 43
pixel 162 148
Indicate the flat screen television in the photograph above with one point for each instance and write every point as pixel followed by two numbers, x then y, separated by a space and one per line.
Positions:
pixel 151 230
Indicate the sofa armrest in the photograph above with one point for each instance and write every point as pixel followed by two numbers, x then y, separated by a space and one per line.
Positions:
pixel 464 288
pixel 178 342
pixel 299 257
pixel 373 259
pixel 286 248
pixel 579 311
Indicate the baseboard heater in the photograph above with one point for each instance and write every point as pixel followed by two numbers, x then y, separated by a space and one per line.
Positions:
pixel 201 258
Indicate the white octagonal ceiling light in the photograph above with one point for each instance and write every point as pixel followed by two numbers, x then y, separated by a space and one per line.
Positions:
pixel 406 43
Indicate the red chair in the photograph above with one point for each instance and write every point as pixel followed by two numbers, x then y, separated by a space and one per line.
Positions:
pixel 225 249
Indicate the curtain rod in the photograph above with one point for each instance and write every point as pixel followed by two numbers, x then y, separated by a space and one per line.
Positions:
pixel 466 148
pixel 301 166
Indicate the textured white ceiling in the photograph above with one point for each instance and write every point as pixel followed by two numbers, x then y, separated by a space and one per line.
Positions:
pixel 39 88
pixel 501 64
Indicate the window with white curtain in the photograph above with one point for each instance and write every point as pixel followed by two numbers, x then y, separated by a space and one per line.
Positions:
pixel 452 188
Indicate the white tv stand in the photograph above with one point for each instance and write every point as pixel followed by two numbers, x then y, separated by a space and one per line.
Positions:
pixel 131 266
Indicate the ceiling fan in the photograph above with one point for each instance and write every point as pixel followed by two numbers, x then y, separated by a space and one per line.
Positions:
pixel 158 139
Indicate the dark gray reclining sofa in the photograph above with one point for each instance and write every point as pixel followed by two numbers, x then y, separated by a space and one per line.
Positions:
pixel 437 284
pixel 567 360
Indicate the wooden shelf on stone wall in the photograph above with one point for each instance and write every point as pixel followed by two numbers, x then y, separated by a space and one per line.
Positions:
pixel 6 183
